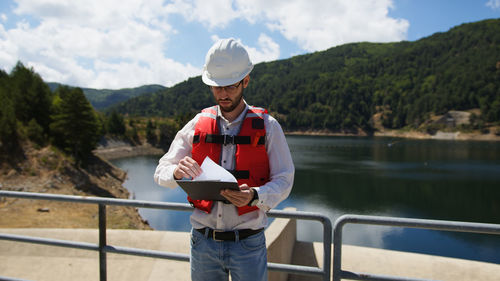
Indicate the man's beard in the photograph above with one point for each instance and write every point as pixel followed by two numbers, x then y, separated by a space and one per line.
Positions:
pixel 234 104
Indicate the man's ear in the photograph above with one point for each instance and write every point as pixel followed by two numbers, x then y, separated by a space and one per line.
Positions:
pixel 246 80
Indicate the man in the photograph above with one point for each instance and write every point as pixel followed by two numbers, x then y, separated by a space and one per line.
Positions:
pixel 228 237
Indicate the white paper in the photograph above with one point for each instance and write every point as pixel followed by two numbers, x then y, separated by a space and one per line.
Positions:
pixel 213 172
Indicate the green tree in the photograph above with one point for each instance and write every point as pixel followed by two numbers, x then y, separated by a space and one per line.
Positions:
pixel 75 127
pixel 35 132
pixel 8 124
pixel 32 97
pixel 116 124
pixel 151 136
pixel 132 134
pixel 167 133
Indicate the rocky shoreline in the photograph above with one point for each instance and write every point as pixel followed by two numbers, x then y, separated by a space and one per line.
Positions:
pixel 127 150
pixel 47 170
pixel 459 136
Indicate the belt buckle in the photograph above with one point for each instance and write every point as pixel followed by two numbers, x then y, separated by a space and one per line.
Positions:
pixel 228 139
pixel 213 235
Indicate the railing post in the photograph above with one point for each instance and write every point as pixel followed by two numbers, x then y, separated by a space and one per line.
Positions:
pixel 327 248
pixel 337 248
pixel 102 242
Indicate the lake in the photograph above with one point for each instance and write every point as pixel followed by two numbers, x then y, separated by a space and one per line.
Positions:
pixel 428 179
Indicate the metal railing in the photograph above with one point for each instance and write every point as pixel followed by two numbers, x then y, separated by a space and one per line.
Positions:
pixel 339 274
pixel 103 248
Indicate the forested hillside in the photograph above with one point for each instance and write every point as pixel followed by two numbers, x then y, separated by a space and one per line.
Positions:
pixel 34 116
pixel 31 115
pixel 341 89
pixel 103 98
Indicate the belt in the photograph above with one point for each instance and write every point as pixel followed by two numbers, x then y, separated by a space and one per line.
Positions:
pixel 228 235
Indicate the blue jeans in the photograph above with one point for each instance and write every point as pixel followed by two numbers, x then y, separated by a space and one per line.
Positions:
pixel 245 260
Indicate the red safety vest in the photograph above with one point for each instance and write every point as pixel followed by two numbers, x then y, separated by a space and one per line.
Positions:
pixel 251 161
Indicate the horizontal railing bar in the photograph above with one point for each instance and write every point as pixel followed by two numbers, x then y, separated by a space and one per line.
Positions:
pixel 98 200
pixel 376 277
pixel 185 257
pixel 485 228
pixel 49 241
pixel 295 269
pixel 145 204
pixel 3 278
pixel 298 215
pixel 146 253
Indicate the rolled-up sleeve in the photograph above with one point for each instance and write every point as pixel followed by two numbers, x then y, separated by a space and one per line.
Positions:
pixel 281 166
pixel 179 148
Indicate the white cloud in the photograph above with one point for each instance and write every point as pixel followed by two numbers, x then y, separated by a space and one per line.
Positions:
pixel 318 25
pixel 313 25
pixel 494 4
pixel 163 69
pixel 268 50
pixel 3 17
pixel 94 43
pixel 123 43
pixel 214 13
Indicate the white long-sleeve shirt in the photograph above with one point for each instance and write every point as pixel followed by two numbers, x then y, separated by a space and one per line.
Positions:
pixel 225 216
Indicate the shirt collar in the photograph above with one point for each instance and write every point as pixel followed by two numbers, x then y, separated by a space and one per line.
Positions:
pixel 239 118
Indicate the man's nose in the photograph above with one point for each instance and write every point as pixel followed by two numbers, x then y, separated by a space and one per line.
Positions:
pixel 223 93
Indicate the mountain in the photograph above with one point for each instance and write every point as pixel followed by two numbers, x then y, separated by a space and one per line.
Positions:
pixel 342 88
pixel 103 98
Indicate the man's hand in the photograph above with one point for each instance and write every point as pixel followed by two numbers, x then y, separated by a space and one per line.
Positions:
pixel 239 198
pixel 187 168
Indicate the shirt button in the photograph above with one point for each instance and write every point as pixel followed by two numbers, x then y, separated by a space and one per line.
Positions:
pixel 224 161
pixel 220 216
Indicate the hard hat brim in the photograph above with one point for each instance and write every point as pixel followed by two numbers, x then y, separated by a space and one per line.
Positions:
pixel 221 82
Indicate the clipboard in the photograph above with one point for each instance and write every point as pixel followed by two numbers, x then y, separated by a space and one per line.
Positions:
pixel 206 190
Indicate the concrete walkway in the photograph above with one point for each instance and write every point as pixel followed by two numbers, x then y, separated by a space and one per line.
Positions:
pixel 404 264
pixel 39 262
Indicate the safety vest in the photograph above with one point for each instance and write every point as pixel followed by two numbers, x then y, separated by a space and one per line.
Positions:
pixel 251 161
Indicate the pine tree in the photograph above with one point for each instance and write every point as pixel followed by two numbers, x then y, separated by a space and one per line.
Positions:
pixel 167 133
pixel 116 124
pixel 75 127
pixel 32 97
pixel 151 136
pixel 35 132
pixel 8 124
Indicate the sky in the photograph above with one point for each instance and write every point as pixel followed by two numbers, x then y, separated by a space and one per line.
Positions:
pixel 114 44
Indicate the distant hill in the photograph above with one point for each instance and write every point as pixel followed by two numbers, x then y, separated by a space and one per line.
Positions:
pixel 103 98
pixel 342 88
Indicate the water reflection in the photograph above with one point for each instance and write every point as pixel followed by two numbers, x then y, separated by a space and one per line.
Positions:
pixel 422 177
pixel 375 176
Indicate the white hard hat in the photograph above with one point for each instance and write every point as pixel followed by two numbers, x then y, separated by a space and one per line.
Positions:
pixel 226 63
